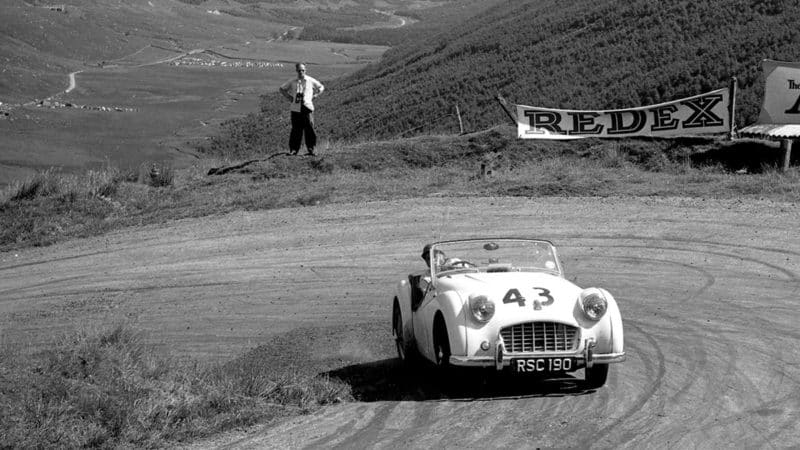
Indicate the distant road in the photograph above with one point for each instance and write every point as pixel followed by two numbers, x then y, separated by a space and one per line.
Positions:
pixel 283 36
pixel 72 84
pixel 400 22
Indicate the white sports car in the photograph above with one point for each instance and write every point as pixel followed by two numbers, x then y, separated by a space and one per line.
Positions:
pixel 505 303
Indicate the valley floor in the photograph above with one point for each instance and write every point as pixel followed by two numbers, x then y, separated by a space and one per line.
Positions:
pixel 155 105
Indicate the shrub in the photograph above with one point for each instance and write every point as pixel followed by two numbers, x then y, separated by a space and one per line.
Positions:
pixel 42 184
pixel 156 174
pixel 103 183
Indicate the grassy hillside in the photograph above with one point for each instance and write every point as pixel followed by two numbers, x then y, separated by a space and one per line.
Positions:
pixel 594 54
pixel 52 206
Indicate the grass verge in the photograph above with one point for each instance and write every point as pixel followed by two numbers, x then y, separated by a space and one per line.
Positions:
pixel 108 389
pixel 53 206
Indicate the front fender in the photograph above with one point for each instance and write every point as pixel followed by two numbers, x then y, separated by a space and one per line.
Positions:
pixel 451 306
pixel 607 332
pixel 617 341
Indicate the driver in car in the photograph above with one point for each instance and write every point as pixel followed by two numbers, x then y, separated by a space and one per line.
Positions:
pixel 439 259
pixel 417 287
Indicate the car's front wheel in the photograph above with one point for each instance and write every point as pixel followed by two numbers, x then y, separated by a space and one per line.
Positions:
pixel 441 344
pixel 596 375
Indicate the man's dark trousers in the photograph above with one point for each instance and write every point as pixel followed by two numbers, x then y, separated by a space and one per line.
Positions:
pixel 302 124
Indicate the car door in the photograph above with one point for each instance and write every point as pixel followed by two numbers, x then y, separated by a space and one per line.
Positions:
pixel 422 320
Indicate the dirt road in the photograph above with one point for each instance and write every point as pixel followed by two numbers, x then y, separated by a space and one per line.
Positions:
pixel 709 292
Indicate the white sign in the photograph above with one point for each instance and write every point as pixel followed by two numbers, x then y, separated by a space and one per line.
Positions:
pixel 705 113
pixel 781 93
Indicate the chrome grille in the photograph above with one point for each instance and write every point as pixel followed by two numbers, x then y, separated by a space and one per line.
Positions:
pixel 534 337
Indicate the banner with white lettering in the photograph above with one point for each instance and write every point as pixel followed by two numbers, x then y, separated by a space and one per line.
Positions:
pixel 705 113
pixel 781 93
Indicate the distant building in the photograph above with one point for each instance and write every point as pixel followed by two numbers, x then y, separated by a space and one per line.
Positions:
pixel 59 8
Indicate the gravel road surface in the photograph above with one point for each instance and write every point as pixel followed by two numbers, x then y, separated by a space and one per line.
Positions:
pixel 709 292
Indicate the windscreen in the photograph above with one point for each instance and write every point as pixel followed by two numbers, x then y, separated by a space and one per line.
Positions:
pixel 496 255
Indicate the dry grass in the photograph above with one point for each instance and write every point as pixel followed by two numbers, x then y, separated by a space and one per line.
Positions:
pixel 106 388
pixel 52 206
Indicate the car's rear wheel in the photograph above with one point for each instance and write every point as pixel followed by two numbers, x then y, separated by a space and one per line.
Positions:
pixel 597 375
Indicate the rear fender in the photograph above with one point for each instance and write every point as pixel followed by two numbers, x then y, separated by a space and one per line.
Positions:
pixel 403 299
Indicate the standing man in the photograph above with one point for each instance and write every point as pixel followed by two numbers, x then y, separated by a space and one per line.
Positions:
pixel 302 91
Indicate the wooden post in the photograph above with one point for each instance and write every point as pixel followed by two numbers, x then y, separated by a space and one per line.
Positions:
pixel 732 108
pixel 502 102
pixel 460 124
pixel 787 153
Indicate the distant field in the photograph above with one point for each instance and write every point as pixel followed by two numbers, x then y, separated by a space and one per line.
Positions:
pixel 122 53
pixel 166 106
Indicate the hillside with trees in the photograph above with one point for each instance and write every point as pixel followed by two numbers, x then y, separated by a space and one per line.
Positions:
pixel 597 54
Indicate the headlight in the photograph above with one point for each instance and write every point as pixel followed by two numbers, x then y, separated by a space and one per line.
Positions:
pixel 482 308
pixel 593 303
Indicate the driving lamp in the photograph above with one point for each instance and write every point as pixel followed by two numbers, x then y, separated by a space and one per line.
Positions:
pixel 593 303
pixel 482 308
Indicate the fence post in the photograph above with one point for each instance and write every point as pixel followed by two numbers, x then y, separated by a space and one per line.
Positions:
pixel 502 102
pixel 786 144
pixel 732 108
pixel 460 124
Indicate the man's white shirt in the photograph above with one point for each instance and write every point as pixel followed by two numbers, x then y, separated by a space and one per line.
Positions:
pixel 303 92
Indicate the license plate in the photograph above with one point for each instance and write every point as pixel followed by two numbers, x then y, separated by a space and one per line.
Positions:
pixel 537 365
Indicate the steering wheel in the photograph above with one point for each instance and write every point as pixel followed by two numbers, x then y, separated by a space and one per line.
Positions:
pixel 462 264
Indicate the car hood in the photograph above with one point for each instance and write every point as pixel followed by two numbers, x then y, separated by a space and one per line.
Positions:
pixel 518 296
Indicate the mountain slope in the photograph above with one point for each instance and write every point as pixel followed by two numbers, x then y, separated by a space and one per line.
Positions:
pixel 586 54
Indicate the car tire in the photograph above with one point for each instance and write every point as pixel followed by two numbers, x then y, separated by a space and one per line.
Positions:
pixel 441 345
pixel 404 350
pixel 596 375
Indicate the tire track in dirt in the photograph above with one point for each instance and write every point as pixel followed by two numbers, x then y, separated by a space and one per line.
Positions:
pixel 785 275
pixel 707 291
pixel 654 368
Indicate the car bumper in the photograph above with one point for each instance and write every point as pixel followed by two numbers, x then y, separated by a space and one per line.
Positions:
pixel 585 358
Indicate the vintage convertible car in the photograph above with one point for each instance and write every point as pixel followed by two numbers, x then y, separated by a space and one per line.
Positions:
pixel 505 303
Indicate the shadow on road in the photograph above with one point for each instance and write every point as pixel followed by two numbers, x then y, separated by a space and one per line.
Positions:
pixel 389 379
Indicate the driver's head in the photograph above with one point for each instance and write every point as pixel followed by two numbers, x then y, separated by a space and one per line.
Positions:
pixel 438 255
pixel 426 254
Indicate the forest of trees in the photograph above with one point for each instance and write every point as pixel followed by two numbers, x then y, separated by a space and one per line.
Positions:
pixel 585 54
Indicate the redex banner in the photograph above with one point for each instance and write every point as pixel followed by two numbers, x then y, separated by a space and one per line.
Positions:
pixel 705 113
